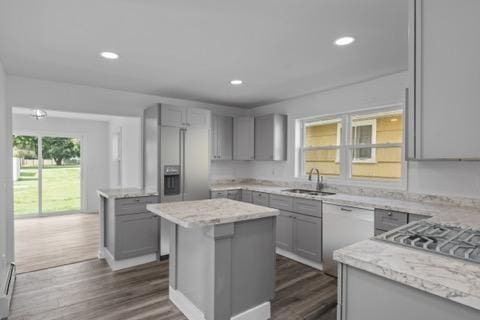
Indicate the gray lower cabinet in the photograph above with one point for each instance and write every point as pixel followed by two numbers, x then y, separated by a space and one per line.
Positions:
pixel 218 194
pixel 136 235
pixel 300 234
pixel 285 231
pixel 247 196
pixel 129 229
pixel 363 295
pixel 307 239
pixel 260 198
pixel 234 194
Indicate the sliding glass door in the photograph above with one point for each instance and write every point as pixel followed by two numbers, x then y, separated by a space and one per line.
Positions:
pixel 49 175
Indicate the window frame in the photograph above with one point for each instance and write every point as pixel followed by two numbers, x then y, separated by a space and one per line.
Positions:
pixel 346 147
pixel 360 123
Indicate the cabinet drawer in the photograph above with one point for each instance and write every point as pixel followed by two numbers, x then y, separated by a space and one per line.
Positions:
pixel 310 207
pixel 412 217
pixel 133 205
pixel 388 220
pixel 281 202
pixel 247 196
pixel 260 198
pixel 218 194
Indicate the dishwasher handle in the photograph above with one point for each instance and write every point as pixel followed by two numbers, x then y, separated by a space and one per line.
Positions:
pixel 351 213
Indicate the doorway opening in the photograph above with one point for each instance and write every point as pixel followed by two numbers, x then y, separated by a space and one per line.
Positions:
pixel 47 175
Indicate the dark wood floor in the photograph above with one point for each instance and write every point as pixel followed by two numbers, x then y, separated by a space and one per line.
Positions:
pixel 89 290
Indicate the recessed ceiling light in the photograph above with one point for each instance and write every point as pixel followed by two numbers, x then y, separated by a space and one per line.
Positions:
pixel 236 82
pixel 109 55
pixel 343 41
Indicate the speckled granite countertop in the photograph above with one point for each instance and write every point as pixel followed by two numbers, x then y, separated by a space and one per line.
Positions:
pixel 200 213
pixel 126 193
pixel 442 276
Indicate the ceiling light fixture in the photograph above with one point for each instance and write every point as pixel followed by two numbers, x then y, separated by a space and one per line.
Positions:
pixel 343 41
pixel 236 82
pixel 109 55
pixel 38 114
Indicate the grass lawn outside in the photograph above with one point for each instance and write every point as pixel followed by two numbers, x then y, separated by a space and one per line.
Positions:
pixel 61 190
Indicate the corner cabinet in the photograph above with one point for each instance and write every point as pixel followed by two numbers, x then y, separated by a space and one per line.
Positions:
pixel 243 138
pixel 443 98
pixel 271 137
pixel 222 137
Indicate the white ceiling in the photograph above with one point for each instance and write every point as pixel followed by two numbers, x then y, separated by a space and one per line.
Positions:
pixel 192 49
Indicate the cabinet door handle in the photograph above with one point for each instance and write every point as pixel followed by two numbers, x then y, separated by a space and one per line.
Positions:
pixel 346 209
pixel 389 214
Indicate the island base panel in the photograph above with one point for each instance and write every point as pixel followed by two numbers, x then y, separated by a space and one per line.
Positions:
pixel 224 271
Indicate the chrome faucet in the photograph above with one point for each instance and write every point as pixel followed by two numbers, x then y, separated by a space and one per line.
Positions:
pixel 319 178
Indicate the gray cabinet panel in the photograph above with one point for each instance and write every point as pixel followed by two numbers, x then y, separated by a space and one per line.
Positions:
pixel 260 198
pixel 173 116
pixel 133 205
pixel 247 196
pixel 307 233
pixel 306 206
pixel 234 194
pixel 281 202
pixel 243 138
pixel 136 235
pixel 196 117
pixel 271 137
pixel 218 194
pixel 388 220
pixel 367 296
pixel 284 238
pixel 443 114
pixel 222 137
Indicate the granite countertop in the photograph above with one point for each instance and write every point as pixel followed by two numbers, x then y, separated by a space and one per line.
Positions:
pixel 201 213
pixel 454 214
pixel 443 276
pixel 126 193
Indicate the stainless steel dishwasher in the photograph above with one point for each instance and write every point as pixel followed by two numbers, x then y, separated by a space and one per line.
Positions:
pixel 343 226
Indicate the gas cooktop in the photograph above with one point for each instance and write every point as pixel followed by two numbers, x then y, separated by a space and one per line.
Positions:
pixel 462 243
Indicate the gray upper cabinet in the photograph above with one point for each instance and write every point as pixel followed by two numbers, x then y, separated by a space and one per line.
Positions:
pixel 173 116
pixel 243 138
pixel 196 117
pixel 222 137
pixel 271 137
pixel 178 116
pixel 443 105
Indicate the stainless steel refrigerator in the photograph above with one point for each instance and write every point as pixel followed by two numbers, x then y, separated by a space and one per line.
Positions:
pixel 176 144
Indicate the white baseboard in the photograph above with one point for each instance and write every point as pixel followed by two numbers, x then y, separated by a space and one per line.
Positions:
pixel 185 305
pixel 260 312
pixel 116 265
pixel 191 311
pixel 297 258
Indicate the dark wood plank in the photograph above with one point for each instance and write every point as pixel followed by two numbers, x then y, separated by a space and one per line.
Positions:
pixel 90 290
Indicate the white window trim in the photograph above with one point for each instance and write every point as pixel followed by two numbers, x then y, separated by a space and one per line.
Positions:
pixel 345 149
pixel 367 122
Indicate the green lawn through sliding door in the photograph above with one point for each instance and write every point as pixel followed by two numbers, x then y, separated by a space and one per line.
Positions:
pixel 61 190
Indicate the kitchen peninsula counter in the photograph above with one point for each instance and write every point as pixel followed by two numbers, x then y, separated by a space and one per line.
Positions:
pixel 222 258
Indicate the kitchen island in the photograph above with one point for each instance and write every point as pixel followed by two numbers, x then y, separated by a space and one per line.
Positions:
pixel 222 258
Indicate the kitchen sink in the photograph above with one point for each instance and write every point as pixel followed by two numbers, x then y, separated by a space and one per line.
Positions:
pixel 310 192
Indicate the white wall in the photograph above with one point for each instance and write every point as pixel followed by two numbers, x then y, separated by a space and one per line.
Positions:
pixel 439 178
pixel 127 172
pixel 94 148
pixel 28 93
pixel 6 185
